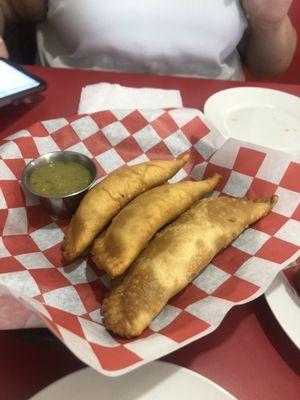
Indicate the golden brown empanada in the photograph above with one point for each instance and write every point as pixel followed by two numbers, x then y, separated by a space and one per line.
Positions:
pixel 131 230
pixel 173 259
pixel 106 199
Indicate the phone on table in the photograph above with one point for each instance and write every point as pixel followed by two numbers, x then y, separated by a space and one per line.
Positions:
pixel 16 83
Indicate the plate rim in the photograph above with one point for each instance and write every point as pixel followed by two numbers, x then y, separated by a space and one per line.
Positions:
pixel 219 122
pixel 249 88
pixel 157 363
pixel 280 284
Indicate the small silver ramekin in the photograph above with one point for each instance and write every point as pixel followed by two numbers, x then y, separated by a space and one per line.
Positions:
pixel 60 206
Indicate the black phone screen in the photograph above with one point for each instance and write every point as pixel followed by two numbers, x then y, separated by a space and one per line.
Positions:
pixel 14 81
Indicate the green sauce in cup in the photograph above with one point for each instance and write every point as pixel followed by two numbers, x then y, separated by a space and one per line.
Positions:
pixel 59 178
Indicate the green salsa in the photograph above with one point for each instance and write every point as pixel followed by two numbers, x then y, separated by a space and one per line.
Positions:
pixel 59 178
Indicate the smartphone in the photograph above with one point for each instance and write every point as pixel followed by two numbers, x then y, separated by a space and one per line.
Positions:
pixel 16 83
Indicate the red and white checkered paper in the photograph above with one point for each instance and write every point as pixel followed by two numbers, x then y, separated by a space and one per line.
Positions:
pixel 67 298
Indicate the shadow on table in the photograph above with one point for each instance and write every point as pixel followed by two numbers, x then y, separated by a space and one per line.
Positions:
pixel 41 336
pixel 13 112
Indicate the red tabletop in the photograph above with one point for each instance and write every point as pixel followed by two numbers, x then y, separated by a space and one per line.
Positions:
pixel 249 355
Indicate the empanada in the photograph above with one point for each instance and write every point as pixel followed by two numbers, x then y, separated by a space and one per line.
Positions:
pixel 106 199
pixel 173 259
pixel 131 230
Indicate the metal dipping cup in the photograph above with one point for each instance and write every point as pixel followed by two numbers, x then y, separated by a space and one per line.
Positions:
pixel 60 206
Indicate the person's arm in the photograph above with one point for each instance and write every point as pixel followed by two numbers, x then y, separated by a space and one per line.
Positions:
pixel 13 11
pixel 270 41
pixel 3 49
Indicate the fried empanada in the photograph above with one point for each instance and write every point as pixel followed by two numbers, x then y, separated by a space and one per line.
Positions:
pixel 173 259
pixel 105 200
pixel 131 230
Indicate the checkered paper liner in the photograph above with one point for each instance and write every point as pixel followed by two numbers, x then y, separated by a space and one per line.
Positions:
pixel 36 285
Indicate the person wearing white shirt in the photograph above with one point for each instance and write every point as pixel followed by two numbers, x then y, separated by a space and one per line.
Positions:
pixel 193 38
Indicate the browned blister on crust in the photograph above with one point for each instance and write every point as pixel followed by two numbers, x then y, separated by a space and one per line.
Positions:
pixel 131 230
pixel 106 199
pixel 175 257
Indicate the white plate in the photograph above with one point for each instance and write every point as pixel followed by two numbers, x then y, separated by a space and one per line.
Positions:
pixel 262 116
pixel 285 305
pixel 155 381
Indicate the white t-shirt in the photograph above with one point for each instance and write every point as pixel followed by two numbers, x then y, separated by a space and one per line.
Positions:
pixel 174 37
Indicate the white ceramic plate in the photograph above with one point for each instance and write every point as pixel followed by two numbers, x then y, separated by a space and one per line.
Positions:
pixel 155 381
pixel 285 305
pixel 262 116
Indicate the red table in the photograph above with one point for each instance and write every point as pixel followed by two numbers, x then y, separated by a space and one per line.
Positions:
pixel 249 354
